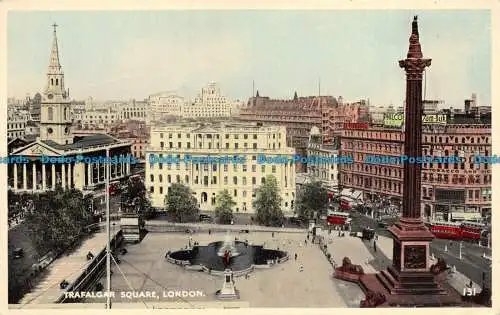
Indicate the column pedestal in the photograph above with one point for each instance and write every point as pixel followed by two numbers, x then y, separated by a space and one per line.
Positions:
pixel 228 290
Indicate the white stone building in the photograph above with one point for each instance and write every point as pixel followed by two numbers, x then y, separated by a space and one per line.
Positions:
pixel 164 104
pixel 207 180
pixel 211 103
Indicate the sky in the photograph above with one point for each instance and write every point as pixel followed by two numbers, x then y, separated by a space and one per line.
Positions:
pixel 118 55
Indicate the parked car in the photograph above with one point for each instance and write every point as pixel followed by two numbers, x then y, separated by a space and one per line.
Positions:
pixel 205 218
pixel 18 253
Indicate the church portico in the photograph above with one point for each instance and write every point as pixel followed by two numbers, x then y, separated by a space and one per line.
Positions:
pixel 58 158
pixel 39 174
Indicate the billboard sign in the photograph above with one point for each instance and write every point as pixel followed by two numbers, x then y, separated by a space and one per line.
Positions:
pixel 397 119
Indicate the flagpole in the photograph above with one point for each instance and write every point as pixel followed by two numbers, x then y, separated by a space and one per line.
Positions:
pixel 108 236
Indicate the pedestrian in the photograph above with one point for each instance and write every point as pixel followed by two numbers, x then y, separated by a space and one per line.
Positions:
pixel 307 235
pixel 296 256
pixel 209 231
pixel 375 246
pixel 272 234
pixel 305 242
pixel 301 268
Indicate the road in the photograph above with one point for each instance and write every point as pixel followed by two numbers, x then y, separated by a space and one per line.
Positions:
pixel 20 269
pixel 472 264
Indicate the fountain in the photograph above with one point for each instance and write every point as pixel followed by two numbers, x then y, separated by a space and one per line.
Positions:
pixel 219 256
pixel 228 248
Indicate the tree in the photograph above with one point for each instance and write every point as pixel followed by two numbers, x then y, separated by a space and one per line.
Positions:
pixel 181 204
pixel 268 203
pixel 59 220
pixel 313 197
pixel 134 198
pixel 224 207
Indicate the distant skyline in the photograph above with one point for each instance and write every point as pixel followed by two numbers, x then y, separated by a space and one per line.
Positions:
pixel 118 55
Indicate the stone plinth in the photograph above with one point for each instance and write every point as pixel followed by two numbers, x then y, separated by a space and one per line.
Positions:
pixel 228 290
pixel 130 226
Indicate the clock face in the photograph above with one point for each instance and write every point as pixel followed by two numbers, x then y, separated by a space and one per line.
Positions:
pixel 50 96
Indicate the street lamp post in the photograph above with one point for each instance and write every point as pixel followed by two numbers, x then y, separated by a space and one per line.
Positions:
pixel 108 236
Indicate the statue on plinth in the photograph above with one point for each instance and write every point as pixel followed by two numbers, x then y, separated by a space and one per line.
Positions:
pixel 228 291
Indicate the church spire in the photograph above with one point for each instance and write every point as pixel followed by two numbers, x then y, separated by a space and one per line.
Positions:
pixel 54 65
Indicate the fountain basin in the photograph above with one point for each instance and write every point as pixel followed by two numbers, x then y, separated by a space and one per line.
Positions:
pixel 208 256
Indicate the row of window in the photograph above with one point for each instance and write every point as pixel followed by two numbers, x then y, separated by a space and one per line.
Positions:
pixel 473 194
pixel 213 181
pixel 217 146
pixel 216 136
pixel 426 138
pixel 11 126
pixel 236 167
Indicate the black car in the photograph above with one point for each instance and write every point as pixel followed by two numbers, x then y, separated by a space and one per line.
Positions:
pixel 18 253
pixel 368 234
pixel 205 217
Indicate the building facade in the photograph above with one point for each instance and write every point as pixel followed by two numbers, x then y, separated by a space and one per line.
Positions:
pixel 16 126
pixel 210 103
pixel 207 180
pixel 327 173
pixel 163 105
pixel 300 114
pixel 30 173
pixel 449 191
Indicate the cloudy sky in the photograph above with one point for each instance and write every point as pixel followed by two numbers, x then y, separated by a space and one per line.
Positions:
pixel 127 54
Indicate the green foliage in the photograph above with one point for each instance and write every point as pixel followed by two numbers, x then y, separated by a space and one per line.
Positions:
pixel 59 218
pixel 312 197
pixel 134 198
pixel 180 203
pixel 267 204
pixel 224 207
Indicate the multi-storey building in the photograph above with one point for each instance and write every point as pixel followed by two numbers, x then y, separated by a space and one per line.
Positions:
pixel 246 141
pixel 164 104
pixel 449 191
pixel 16 126
pixel 327 173
pixel 133 110
pixel 210 103
pixel 300 114
pixel 109 113
pixel 100 117
pixel 334 117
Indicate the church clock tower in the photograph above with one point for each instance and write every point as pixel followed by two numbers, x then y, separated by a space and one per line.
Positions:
pixel 55 117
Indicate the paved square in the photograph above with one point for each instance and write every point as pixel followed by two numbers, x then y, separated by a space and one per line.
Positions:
pixel 146 269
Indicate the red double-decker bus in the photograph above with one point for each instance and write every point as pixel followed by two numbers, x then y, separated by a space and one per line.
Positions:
pixel 446 230
pixel 471 230
pixel 338 218
pixel 114 187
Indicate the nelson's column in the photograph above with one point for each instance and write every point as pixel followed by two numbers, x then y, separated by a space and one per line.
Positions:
pixel 409 281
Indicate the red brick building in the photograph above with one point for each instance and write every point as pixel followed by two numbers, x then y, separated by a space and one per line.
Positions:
pixel 449 191
pixel 300 114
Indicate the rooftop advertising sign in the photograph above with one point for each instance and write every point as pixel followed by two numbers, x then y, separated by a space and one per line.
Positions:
pixel 397 119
